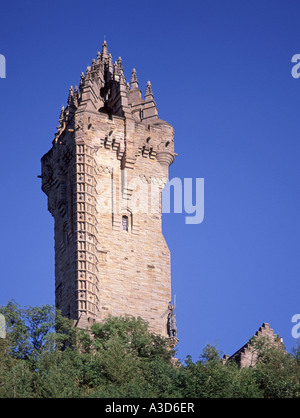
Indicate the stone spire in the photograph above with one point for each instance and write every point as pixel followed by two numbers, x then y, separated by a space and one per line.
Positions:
pixel 150 109
pixel 103 87
pixel 61 118
pixel 62 113
pixel 110 64
pixel 148 93
pixel 120 71
pixel 135 95
pixel 71 102
pixel 70 97
pixel 81 83
pixel 76 96
pixel 120 66
pixel 134 84
pixel 104 53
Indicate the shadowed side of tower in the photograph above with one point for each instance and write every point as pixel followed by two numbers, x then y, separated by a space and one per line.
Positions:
pixel 103 177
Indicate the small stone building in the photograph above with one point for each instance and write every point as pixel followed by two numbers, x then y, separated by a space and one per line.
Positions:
pixel 246 356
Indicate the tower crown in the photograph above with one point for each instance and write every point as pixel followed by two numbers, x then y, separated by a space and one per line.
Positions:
pixel 100 89
pixel 103 89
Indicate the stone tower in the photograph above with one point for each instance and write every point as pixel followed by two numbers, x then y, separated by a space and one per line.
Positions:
pixel 103 177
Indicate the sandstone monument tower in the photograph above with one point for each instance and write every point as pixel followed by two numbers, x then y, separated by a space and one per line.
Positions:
pixel 103 177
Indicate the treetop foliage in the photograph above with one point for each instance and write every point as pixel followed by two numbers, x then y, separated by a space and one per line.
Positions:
pixel 44 356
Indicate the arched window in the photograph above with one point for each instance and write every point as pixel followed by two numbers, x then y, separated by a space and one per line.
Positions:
pixel 125 223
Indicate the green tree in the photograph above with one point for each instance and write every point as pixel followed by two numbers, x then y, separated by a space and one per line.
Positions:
pixel 44 356
pixel 277 374
pixel 122 353
pixel 211 378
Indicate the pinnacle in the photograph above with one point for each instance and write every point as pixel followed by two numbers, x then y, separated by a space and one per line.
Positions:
pixel 120 67
pixel 71 96
pixel 134 80
pixel 148 89
pixel 71 92
pixel 61 113
pixel 104 53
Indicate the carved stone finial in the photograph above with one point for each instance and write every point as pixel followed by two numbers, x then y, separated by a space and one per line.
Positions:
pixel 81 82
pixel 71 93
pixel 104 53
pixel 122 79
pixel 134 80
pixel 120 65
pixel 76 96
pixel 148 89
pixel 61 116
pixel 116 75
pixel 110 63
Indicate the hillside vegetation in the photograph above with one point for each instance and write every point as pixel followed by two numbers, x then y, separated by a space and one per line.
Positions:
pixel 43 356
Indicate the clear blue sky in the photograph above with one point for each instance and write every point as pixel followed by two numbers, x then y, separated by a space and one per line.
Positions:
pixel 221 75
